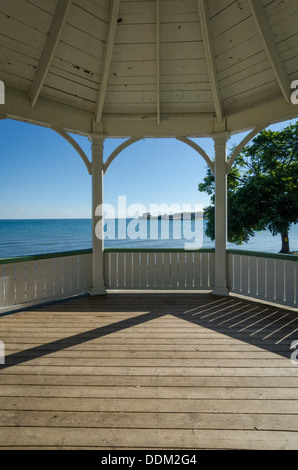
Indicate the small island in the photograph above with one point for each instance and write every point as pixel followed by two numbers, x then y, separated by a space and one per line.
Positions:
pixel 176 216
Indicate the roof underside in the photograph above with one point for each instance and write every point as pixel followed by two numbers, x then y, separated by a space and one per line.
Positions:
pixel 149 67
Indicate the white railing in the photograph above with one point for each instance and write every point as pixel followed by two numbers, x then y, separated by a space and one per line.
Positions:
pixel 33 280
pixel 159 269
pixel 264 276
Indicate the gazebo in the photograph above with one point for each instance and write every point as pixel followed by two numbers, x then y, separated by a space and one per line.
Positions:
pixel 136 69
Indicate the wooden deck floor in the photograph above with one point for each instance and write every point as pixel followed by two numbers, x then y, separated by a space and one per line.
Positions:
pixel 155 371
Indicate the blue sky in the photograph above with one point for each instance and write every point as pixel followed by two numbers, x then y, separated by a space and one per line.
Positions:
pixel 42 176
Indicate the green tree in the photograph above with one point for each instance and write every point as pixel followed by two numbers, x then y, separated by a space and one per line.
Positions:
pixel 262 188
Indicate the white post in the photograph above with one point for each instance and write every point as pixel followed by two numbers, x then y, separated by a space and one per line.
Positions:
pixel 220 145
pixel 98 287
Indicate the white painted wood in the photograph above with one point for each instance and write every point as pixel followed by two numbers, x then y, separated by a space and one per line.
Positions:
pixel 290 281
pixel 2 285
pixel 30 280
pixel 210 56
pixel 97 215
pixel 28 283
pixel 189 270
pixel 110 37
pixel 113 270
pixel 151 270
pixel 129 271
pixel 280 280
pixel 204 270
pixel 271 279
pixel 245 274
pixel 220 287
pixel 118 150
pixel 237 273
pixel 58 276
pixel 76 146
pixel 49 49
pixel 88 259
pixel 69 92
pixel 74 273
pixel 91 22
pixel 253 275
pixel 49 277
pixel 267 38
pixel 211 258
pixel 20 283
pixel 66 275
pixel 40 279
pixel 28 14
pixel 241 145
pixel 121 274
pixel 166 270
pixel 144 270
pixel 262 268
pixel 9 284
pixel 184 271
pixel 295 296
pixel 158 60
pixel 107 265
pixel 159 269
pixel 174 266
pixel 136 270
pixel 197 270
pixel 200 151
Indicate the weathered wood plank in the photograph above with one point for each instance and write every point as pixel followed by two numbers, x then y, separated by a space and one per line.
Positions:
pixel 196 372
pixel 150 381
pixel 141 392
pixel 150 405
pixel 188 439
pixel 130 420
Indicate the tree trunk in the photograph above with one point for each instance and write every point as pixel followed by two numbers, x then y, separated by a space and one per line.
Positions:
pixel 285 246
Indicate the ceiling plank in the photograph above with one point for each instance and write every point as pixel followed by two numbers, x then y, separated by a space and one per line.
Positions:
pixel 49 49
pixel 209 51
pixel 264 30
pixel 110 37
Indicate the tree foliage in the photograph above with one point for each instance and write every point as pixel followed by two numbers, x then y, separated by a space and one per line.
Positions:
pixel 262 188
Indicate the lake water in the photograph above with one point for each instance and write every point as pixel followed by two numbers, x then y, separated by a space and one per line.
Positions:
pixel 28 237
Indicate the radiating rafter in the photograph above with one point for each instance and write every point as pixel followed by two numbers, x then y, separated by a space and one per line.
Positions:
pixel 158 61
pixel 49 49
pixel 209 51
pixel 106 64
pixel 265 32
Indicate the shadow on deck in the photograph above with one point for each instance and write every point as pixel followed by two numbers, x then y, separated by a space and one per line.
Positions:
pixel 149 371
pixel 268 327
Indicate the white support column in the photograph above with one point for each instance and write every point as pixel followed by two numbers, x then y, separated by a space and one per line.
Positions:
pixel 220 145
pixel 98 287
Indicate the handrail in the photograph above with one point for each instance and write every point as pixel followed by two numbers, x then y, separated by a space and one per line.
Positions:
pixel 20 259
pixel 262 254
pixel 158 250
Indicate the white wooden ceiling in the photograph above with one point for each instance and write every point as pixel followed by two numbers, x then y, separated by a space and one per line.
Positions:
pixel 149 67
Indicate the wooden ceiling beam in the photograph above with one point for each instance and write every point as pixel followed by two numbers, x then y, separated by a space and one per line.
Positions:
pixel 210 57
pixel 265 32
pixel 106 65
pixel 49 50
pixel 158 61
